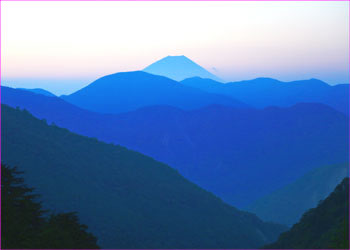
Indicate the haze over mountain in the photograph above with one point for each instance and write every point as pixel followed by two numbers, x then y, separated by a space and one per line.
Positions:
pixel 287 204
pixel 128 200
pixel 263 92
pixel 129 91
pixel 213 146
pixel 167 127
pixel 39 91
pixel 178 68
pixel 323 227
pixel 48 107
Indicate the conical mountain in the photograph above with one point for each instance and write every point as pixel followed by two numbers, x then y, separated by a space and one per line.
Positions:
pixel 179 68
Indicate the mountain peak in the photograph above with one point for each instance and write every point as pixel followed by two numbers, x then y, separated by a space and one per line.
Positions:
pixel 178 68
pixel 177 56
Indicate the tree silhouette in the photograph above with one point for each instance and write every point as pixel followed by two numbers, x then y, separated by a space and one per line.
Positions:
pixel 26 225
pixel 64 231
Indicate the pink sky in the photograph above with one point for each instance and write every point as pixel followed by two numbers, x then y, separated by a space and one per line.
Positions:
pixel 62 46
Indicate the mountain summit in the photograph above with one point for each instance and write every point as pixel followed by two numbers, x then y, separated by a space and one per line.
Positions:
pixel 178 68
pixel 128 91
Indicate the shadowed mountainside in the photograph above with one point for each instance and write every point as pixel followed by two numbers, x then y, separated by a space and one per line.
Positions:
pixel 287 204
pixel 128 200
pixel 323 227
pixel 213 146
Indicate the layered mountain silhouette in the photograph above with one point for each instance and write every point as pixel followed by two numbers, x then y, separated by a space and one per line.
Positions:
pixel 39 91
pixel 239 154
pixel 128 200
pixel 178 68
pixel 273 148
pixel 287 204
pixel 323 227
pixel 53 109
pixel 263 92
pixel 128 91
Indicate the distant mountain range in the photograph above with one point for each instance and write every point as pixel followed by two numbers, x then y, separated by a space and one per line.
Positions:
pixel 128 200
pixel 274 148
pixel 287 204
pixel 323 227
pixel 264 92
pixel 213 146
pixel 178 68
pixel 129 91
pixel 39 91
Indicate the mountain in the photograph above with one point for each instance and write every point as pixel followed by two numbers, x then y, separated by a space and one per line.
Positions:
pixel 39 91
pixel 178 68
pixel 287 204
pixel 228 150
pixel 128 91
pixel 323 227
pixel 127 200
pixel 224 150
pixel 264 92
pixel 52 108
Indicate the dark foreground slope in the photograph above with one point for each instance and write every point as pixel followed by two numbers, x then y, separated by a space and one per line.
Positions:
pixel 25 225
pixel 326 226
pixel 127 200
pixel 223 149
pixel 287 205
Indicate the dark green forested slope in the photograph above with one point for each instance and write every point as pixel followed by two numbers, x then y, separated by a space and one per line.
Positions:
pixel 25 225
pixel 126 199
pixel 326 226
pixel 287 205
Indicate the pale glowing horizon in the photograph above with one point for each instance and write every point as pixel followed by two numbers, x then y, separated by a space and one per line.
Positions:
pixel 63 46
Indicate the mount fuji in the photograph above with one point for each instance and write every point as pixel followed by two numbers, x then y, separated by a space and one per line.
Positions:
pixel 179 68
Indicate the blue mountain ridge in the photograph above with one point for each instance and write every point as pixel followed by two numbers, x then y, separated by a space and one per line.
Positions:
pixel 39 91
pixel 127 91
pixel 213 146
pixel 264 92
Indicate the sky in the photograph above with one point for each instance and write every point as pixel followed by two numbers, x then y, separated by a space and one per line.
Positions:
pixel 63 46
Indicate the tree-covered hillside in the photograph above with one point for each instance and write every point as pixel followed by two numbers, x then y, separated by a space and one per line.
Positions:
pixel 25 225
pixel 323 227
pixel 126 199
